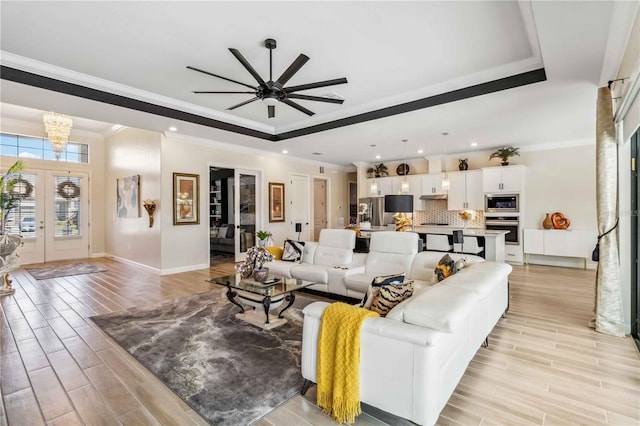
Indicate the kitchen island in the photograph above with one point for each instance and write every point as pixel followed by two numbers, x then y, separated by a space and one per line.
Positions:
pixel 493 240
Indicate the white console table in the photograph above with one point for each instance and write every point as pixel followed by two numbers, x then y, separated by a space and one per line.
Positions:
pixel 559 242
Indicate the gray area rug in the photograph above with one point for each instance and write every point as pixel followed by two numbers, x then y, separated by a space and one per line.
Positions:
pixel 64 270
pixel 229 371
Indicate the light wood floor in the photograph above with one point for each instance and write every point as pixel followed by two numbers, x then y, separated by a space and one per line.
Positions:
pixel 543 365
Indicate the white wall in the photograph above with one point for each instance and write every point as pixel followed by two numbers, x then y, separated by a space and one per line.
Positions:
pixel 187 246
pixel 133 152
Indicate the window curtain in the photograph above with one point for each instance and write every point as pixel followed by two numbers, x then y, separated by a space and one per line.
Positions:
pixel 608 302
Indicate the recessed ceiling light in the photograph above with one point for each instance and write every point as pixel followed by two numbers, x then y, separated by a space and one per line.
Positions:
pixel 420 151
pixel 116 127
pixel 474 143
pixel 378 157
pixel 284 151
pixel 173 129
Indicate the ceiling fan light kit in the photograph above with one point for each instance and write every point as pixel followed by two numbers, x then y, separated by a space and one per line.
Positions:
pixel 272 92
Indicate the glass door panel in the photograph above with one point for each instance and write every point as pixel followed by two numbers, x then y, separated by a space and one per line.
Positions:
pixel 246 213
pixel 66 221
pixel 27 217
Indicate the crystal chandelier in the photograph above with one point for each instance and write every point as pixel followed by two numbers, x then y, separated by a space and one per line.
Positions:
pixel 58 127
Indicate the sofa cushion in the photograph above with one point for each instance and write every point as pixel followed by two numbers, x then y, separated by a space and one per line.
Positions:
pixel 222 232
pixel 375 285
pixel 292 251
pixel 358 282
pixel 424 262
pixel 445 268
pixel 316 273
pixel 390 295
pixel 275 251
pixel 441 307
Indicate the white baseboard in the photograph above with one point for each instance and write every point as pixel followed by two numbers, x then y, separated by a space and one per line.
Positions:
pixel 151 269
pixel 187 268
pixel 94 255
pixel 565 262
pixel 157 271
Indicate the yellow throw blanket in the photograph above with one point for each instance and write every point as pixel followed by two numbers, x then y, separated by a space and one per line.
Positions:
pixel 339 361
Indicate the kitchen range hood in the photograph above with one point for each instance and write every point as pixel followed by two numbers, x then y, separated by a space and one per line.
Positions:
pixel 435 166
pixel 434 197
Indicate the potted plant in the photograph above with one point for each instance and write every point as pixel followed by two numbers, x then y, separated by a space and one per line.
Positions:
pixel 263 236
pixel 505 153
pixel 9 244
pixel 378 170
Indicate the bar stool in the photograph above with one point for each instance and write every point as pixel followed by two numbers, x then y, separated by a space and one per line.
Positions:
pixel 470 245
pixel 438 243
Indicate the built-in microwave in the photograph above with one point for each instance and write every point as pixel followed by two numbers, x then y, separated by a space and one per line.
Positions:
pixel 500 203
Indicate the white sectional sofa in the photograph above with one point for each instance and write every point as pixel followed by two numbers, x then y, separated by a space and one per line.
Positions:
pixel 321 262
pixel 411 361
pixel 332 264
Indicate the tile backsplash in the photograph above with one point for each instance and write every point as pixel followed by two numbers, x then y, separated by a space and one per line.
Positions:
pixel 435 211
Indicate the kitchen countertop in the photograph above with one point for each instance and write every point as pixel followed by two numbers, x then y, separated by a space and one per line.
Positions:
pixel 446 230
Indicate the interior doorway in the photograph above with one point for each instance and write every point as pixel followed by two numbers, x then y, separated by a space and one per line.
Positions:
pixel 299 210
pixel 320 213
pixel 233 216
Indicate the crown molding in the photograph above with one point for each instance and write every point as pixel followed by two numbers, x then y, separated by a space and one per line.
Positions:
pixel 58 73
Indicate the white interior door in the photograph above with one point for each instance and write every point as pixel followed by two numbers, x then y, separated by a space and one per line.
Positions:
pixel 319 207
pixel 53 218
pixel 246 215
pixel 300 206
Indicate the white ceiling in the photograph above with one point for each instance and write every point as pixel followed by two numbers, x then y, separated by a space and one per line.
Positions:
pixel 391 52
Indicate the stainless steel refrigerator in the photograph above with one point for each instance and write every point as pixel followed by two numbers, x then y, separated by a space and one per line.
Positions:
pixel 375 211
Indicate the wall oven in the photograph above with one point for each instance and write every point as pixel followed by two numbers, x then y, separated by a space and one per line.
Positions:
pixel 498 203
pixel 505 223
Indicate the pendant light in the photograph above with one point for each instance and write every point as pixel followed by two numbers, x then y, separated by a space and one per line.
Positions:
pixel 404 185
pixel 445 177
pixel 373 189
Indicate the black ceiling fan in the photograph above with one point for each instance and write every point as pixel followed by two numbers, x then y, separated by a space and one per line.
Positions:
pixel 273 92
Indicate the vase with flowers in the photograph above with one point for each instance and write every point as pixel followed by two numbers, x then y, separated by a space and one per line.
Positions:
pixel 254 264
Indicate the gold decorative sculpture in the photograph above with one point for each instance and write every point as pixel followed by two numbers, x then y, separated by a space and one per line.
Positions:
pixel 402 222
pixel 150 207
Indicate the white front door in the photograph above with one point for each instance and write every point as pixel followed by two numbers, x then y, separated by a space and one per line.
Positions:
pixel 54 219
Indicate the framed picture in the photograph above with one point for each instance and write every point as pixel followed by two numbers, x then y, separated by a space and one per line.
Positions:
pixel 276 202
pixel 186 204
pixel 128 194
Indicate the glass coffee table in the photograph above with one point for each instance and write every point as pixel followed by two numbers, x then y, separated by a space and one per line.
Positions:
pixel 270 294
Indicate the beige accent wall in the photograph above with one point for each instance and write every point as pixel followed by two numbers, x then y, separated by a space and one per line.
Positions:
pixel 133 152
pixel 187 246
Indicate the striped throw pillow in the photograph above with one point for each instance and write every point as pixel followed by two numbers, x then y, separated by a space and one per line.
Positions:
pixel 390 295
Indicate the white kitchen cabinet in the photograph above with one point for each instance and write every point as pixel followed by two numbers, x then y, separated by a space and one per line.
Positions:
pixel 465 190
pixel 432 184
pixel 507 179
pixel 560 242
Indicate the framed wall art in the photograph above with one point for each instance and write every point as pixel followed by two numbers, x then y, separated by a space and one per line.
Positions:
pixel 128 194
pixel 276 202
pixel 186 210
